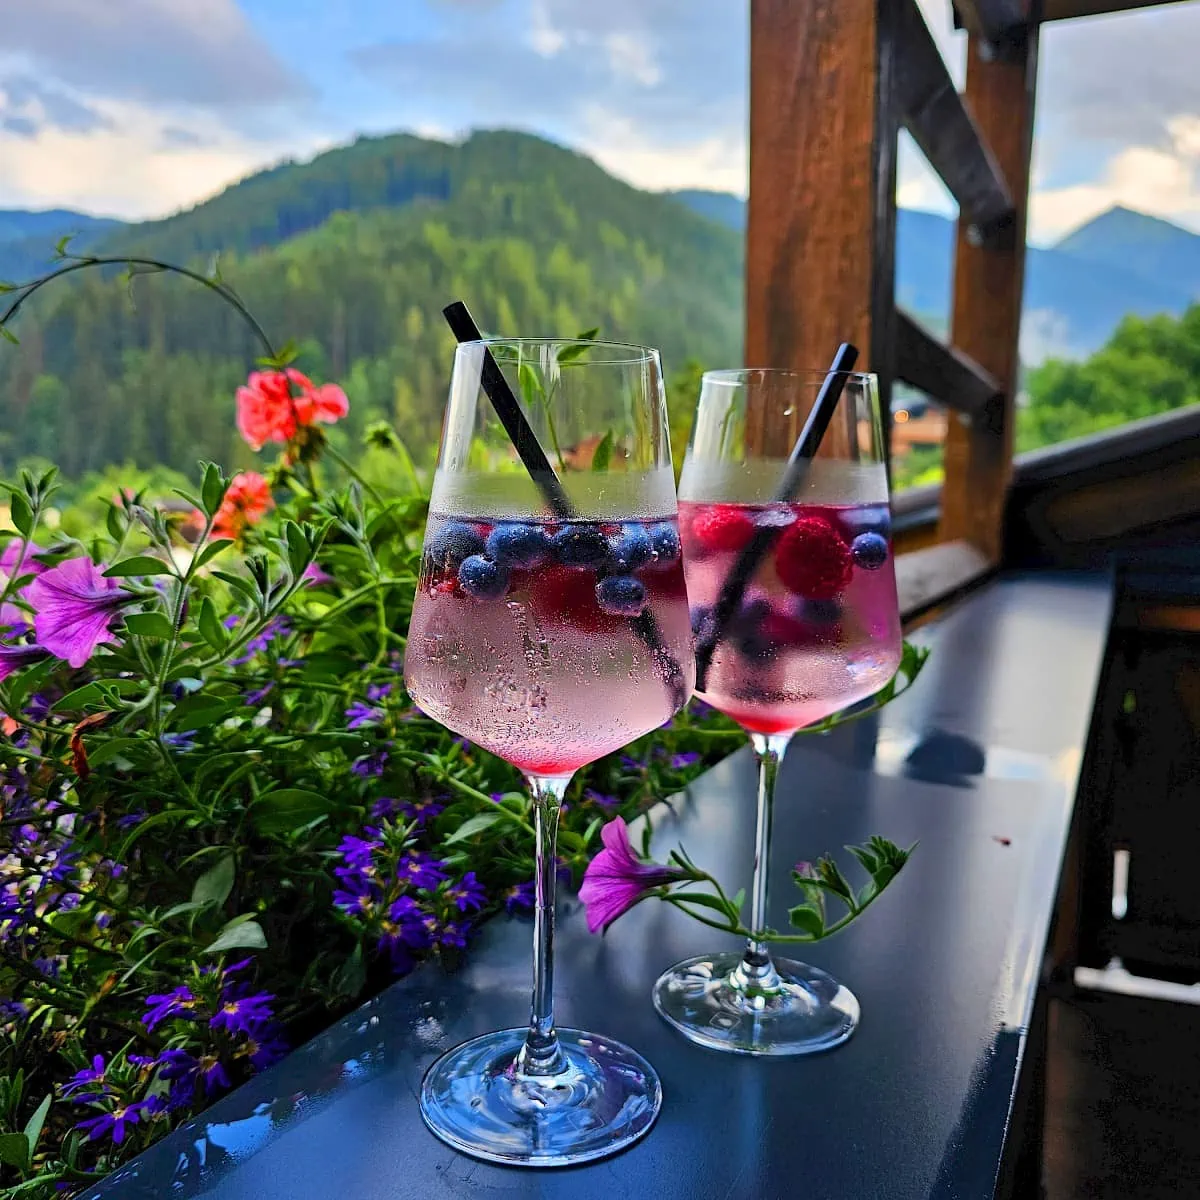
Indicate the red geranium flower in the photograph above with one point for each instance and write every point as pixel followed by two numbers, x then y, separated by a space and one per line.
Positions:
pixel 267 411
pixel 246 502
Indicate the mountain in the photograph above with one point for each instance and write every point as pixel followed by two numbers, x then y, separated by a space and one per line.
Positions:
pixel 27 238
pixel 1075 292
pixel 353 255
pixel 722 207
pixel 1130 240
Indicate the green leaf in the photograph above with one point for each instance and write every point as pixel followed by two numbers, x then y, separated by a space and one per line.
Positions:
pixel 113 523
pixel 177 910
pixel 194 501
pixel 33 1130
pixel 288 809
pixel 60 247
pixel 21 514
pixel 351 977
pixel 240 585
pixel 141 564
pixel 239 935
pixel 831 875
pixel 473 826
pixel 530 383
pixel 705 900
pixel 115 748
pixel 212 550
pixel 214 886
pixel 209 624
pixel 212 490
pixel 151 624
pixel 806 918
pixel 91 693
pixel 603 453
pixel 297 547
pixel 15 1150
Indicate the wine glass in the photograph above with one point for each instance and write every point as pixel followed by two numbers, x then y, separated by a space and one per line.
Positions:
pixel 551 627
pixel 815 629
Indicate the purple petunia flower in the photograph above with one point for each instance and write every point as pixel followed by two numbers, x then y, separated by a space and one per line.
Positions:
pixel 75 607
pixel 176 1003
pixel 114 1123
pixel 370 765
pixel 129 820
pixel 616 879
pixel 357 896
pixel 632 764
pixel 242 1014
pixel 212 1074
pixel 276 628
pixel 91 1078
pixel 360 714
pixel 454 933
pixel 264 1049
pixel 420 870
pixel 421 810
pixel 520 897
pixel 13 658
pixel 358 851
pixel 256 696
pixel 182 742
pixel 609 804
pixel 316 576
pixel 701 709
pixel 679 761
pixel 466 893
pixel 13 1010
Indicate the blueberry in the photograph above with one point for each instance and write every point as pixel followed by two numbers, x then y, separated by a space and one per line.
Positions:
pixel 452 543
pixel 621 596
pixel 514 544
pixel 870 550
pixel 482 579
pixel 748 632
pixel 819 612
pixel 874 518
pixel 755 646
pixel 702 626
pixel 630 551
pixel 664 539
pixel 580 546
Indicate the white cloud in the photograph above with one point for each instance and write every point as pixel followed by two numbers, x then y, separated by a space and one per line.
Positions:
pixel 621 147
pixel 134 167
pixel 1162 182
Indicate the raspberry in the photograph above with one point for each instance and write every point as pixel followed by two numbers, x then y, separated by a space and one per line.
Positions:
pixel 723 527
pixel 812 560
pixel 563 596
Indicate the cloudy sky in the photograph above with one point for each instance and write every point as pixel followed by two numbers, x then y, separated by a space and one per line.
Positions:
pixel 138 107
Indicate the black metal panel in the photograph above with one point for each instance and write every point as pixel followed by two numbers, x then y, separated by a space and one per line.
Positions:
pixel 978 764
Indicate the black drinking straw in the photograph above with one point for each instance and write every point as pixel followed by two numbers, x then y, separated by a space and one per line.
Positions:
pixel 794 474
pixel 531 454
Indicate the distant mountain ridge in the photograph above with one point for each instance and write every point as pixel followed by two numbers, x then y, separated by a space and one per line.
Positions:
pixel 1076 292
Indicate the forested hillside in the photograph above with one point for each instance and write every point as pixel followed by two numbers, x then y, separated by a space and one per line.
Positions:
pixel 354 255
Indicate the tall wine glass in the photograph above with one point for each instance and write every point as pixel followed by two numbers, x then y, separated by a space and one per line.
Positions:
pixel 816 629
pixel 550 639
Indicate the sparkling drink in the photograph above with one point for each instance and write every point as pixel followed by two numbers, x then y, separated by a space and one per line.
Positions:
pixel 525 639
pixel 818 627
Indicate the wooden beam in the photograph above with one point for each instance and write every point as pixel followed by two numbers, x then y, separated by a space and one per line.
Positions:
pixel 942 126
pixel 941 371
pixel 820 241
pixel 1061 10
pixel 988 280
pixel 927 577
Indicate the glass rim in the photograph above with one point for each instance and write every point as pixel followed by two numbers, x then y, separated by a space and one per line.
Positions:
pixel 733 376
pixel 634 352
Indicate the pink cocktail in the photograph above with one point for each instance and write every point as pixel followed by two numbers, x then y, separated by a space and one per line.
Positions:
pixel 818 627
pixel 540 660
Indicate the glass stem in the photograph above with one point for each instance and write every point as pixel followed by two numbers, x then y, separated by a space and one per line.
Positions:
pixel 541 1054
pixel 756 971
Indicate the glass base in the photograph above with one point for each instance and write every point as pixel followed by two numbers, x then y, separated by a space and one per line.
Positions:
pixel 605 1100
pixel 707 999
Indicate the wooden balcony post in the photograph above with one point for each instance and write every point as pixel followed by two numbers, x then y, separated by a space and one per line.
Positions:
pixel 820 248
pixel 988 281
